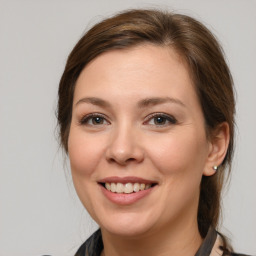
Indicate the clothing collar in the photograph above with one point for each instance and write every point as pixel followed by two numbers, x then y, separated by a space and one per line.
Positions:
pixel 210 246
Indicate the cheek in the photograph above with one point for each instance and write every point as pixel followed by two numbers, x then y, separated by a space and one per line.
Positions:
pixel 179 153
pixel 84 153
pixel 180 159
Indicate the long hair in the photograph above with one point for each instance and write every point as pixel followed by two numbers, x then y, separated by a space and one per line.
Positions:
pixel 207 66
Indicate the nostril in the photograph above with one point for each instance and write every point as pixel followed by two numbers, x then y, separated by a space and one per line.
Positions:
pixel 121 160
pixel 130 160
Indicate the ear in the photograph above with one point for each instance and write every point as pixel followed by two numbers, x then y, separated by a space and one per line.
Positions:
pixel 218 146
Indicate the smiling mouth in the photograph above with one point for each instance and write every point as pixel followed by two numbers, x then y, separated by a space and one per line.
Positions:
pixel 126 188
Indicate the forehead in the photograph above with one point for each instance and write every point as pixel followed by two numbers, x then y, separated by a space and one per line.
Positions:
pixel 147 69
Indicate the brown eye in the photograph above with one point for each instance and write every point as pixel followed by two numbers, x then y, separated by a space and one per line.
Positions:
pixel 97 120
pixel 94 120
pixel 159 120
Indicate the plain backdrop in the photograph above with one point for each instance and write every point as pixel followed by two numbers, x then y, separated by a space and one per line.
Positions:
pixel 39 211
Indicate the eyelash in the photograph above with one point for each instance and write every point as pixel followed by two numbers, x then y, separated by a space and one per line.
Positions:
pixel 165 118
pixel 85 119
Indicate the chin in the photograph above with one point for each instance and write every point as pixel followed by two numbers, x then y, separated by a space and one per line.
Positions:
pixel 127 225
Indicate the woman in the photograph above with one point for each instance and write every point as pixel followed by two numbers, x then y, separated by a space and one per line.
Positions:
pixel 146 115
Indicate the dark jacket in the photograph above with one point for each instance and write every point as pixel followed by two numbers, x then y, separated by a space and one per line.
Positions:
pixel 93 246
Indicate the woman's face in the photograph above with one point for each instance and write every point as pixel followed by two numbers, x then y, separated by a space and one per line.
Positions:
pixel 137 142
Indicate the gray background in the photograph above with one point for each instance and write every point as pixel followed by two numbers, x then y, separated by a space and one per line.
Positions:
pixel 39 211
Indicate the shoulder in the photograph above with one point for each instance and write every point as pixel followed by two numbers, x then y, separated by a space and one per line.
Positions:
pixel 222 247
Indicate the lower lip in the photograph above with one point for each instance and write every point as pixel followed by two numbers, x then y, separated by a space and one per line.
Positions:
pixel 126 199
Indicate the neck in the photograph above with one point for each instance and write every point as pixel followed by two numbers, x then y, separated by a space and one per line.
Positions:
pixel 179 240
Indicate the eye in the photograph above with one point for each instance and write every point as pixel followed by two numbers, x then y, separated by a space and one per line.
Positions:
pixel 94 120
pixel 160 119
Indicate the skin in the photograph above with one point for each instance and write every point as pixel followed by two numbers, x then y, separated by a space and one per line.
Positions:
pixel 128 141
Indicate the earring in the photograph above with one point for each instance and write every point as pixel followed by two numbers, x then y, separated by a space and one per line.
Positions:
pixel 215 168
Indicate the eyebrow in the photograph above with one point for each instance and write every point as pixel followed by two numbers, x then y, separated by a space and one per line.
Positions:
pixel 158 100
pixel 94 101
pixel 141 104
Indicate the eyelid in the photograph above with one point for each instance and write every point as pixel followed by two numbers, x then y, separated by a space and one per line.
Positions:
pixel 170 118
pixel 85 118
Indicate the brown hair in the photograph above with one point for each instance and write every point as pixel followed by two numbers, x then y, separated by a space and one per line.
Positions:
pixel 204 57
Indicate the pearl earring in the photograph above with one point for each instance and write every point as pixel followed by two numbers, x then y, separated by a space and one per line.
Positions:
pixel 215 167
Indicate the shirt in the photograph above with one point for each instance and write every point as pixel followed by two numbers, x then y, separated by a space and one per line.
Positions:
pixel 211 245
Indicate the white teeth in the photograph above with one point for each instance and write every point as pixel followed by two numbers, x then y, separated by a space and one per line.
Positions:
pixel 119 188
pixel 126 188
pixel 136 187
pixel 108 186
pixel 142 186
pixel 113 187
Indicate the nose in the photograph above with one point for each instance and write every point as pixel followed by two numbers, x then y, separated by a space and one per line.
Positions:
pixel 124 147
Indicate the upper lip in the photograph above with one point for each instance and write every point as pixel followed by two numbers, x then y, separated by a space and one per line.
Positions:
pixel 128 179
